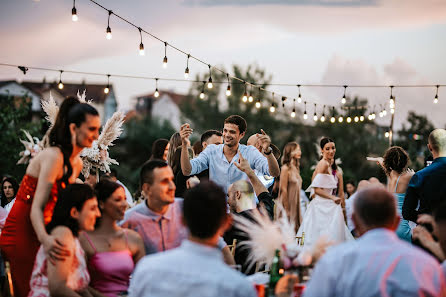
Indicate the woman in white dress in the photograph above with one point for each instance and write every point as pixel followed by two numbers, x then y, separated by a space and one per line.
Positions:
pixel 324 216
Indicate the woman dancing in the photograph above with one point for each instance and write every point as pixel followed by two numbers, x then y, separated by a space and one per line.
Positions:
pixel 76 126
pixel 324 215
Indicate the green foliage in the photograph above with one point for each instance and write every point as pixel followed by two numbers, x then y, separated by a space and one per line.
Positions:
pixel 134 148
pixel 15 116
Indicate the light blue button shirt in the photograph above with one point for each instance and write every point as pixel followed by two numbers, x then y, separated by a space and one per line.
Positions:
pixel 377 264
pixel 225 173
pixel 191 270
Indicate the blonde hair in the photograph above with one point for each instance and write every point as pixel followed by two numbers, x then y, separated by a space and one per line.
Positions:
pixel 174 142
pixel 287 150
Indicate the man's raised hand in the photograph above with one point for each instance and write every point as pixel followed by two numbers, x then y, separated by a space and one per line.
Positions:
pixel 185 132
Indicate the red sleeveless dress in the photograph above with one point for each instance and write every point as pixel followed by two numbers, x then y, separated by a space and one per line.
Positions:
pixel 18 241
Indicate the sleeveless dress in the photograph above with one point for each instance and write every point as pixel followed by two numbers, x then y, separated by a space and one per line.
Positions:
pixel 18 241
pixel 323 216
pixel 78 278
pixel 404 231
pixel 291 203
pixel 110 271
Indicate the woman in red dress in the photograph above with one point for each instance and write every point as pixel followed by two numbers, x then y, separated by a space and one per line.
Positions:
pixel 77 126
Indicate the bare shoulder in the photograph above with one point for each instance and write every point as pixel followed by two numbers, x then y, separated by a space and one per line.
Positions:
pixel 322 166
pixel 133 236
pixel 85 243
pixel 63 234
pixel 285 168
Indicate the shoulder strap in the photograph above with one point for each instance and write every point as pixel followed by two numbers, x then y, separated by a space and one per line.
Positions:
pixel 397 181
pixel 89 241
pixel 126 237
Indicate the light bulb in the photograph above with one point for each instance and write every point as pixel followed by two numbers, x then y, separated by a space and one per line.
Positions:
pixel 106 90
pixel 387 134
pixel 201 95
pixel 228 91
pixel 333 119
pixel 272 108
pixel 165 62
pixel 349 119
pixel 343 100
pixel 186 73
pixel 60 85
pixel 250 99
pixel 258 104
pixel 245 98
pixel 305 116
pixel 299 99
pixel 381 114
pixel 210 85
pixel 141 49
pixel 157 94
pixel 74 16
pixel 315 118
pixel 340 119
pixel 109 34
pixel 361 118
pixel 356 119
pixel 293 114
pixel 436 100
pixel 384 112
pixel 323 118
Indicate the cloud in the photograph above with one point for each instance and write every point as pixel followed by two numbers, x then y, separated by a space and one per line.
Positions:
pixel 342 3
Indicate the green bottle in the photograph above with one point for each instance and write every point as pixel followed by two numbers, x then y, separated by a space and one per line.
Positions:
pixel 274 274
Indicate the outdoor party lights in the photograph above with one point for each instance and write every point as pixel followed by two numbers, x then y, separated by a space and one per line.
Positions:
pixel 323 114
pixel 356 119
pixel 186 72
pixel 391 99
pixel 108 34
pixel 305 111
pixel 210 78
pixel 273 106
pixel 340 119
pixel 245 95
pixel 202 91
pixel 349 119
pixel 436 96
pixel 361 118
pixel 299 98
pixel 157 93
pixel 165 55
pixel 258 104
pixel 332 119
pixel 228 89
pixel 107 88
pixel 60 85
pixel 343 100
pixel 250 98
pixel 315 114
pixel 74 16
pixel 141 45
pixel 387 134
pixel 293 113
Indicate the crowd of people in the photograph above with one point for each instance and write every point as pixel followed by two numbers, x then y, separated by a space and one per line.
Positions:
pixel 63 236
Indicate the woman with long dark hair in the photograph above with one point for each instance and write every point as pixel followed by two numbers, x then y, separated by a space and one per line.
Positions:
pixel 324 216
pixel 112 251
pixel 76 127
pixel 10 186
pixel 291 182
pixel 76 210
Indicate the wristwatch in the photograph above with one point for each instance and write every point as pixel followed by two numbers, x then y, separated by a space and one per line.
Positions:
pixel 269 151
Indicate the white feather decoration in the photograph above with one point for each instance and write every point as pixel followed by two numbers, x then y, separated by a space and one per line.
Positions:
pixel 32 147
pixel 83 98
pixel 51 109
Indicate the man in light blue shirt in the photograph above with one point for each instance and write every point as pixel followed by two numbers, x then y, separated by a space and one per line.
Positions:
pixel 196 268
pixel 378 263
pixel 219 159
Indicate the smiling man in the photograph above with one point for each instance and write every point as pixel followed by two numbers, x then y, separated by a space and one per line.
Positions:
pixel 220 159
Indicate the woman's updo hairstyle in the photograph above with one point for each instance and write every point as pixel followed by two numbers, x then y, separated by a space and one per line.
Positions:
pixel 105 188
pixel 322 144
pixel 395 158
pixel 71 111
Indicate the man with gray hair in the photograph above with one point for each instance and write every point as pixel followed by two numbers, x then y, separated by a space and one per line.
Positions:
pixel 427 188
pixel 378 263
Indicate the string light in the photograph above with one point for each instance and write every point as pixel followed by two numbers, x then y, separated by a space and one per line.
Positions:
pixel 340 119
pixel 245 95
pixel 315 115
pixel 392 99
pixel 305 110
pixel 202 90
pixel 343 100
pixel 74 16
pixel 323 114
pixel 210 78
pixel 283 101
pixel 356 119
pixel 361 118
pixel 299 98
pixel 165 55
pixel 436 95
pixel 333 119
pixel 157 93
pixel 250 98
pixel 60 85
pixel 258 104
pixel 228 89
pixel 108 32
pixel 387 134
pixel 141 45
pixel 293 113
pixel 186 72
pixel 107 88
pixel 273 107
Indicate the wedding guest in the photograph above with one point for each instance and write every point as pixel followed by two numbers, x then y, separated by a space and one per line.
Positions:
pixel 219 159
pixel 75 211
pixel 9 187
pixel 160 148
pixel 427 188
pixel 196 267
pixel 378 263
pixel 207 138
pixel 350 188
pixel 76 127
pixel 92 178
pixel 174 143
pixel 112 252
pixel 128 196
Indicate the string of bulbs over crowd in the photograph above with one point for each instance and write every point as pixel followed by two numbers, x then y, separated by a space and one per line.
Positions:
pixel 247 97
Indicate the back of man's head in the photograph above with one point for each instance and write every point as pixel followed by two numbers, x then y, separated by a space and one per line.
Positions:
pixel 146 174
pixel 237 120
pixel 241 196
pixel 204 209
pixel 208 134
pixel 375 208
pixel 437 141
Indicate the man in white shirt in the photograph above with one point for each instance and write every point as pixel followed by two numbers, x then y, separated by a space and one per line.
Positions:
pixel 196 268
pixel 378 263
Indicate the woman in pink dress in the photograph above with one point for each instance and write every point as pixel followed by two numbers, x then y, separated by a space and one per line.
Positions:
pixel 76 210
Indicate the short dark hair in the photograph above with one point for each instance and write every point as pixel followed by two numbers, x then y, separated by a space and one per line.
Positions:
pixel 15 187
pixel 238 121
pixel 146 174
pixel 395 158
pixel 204 209
pixel 208 134
pixel 74 195
pixel 352 182
pixel 375 207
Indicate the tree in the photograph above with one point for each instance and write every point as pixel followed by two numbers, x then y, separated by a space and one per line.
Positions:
pixel 15 116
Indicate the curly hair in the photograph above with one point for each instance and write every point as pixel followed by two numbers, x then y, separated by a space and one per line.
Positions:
pixel 395 158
